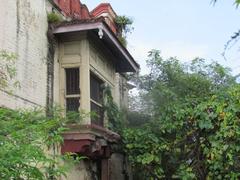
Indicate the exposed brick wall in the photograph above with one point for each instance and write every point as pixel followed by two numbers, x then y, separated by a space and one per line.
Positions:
pixel 103 8
pixel 75 9
pixel 85 12
pixel 64 5
pixel 106 10
pixel 111 24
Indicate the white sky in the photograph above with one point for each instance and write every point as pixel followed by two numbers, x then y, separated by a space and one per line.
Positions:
pixel 183 29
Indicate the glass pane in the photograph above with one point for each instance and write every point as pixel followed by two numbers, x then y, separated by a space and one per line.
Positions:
pixel 96 89
pixel 98 114
pixel 72 104
pixel 72 81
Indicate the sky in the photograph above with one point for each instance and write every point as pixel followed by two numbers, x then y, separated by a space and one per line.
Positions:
pixel 184 29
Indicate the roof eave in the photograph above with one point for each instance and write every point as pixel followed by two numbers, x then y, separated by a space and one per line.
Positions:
pixel 107 32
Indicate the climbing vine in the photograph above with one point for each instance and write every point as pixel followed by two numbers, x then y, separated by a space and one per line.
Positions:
pixel 54 18
pixel 116 120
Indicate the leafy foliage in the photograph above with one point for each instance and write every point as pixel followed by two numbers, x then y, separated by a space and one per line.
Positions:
pixel 124 23
pixel 54 18
pixel 29 143
pixel 194 127
pixel 116 120
pixel 7 69
pixel 124 27
pixel 136 118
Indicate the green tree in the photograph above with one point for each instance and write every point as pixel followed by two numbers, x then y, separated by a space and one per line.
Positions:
pixel 193 111
pixel 29 144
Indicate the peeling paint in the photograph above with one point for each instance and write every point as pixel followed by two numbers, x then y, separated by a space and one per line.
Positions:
pixel 23 28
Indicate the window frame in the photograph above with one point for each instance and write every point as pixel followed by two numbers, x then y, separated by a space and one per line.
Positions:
pixel 98 104
pixel 69 96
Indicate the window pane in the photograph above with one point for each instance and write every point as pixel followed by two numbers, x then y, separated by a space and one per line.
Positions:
pixel 72 104
pixel 96 89
pixel 98 114
pixel 72 81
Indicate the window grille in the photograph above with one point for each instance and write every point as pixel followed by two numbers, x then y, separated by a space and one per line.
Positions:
pixel 96 94
pixel 72 95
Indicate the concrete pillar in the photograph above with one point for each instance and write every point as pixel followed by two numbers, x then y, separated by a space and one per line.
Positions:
pixel 85 80
pixel 105 169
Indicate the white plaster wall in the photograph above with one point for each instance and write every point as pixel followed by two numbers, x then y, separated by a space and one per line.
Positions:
pixel 23 26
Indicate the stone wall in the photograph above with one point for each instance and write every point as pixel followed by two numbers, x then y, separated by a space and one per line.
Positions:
pixel 23 32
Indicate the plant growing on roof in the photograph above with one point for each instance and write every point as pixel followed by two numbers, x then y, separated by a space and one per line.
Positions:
pixel 54 18
pixel 124 26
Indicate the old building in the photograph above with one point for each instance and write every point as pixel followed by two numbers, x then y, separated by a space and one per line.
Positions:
pixel 69 68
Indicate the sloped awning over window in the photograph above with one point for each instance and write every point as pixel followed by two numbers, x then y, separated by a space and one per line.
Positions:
pixel 103 35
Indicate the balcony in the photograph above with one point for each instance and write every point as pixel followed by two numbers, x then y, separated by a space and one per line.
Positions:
pixel 92 141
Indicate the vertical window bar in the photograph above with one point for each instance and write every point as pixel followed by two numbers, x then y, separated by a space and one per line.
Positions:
pixel 96 94
pixel 72 81
pixel 72 88
pixel 72 104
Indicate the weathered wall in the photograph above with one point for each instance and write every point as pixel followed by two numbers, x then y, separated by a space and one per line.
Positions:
pixel 102 66
pixel 23 31
pixel 23 26
pixel 121 90
pixel 119 167
pixel 80 171
pixel 75 50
